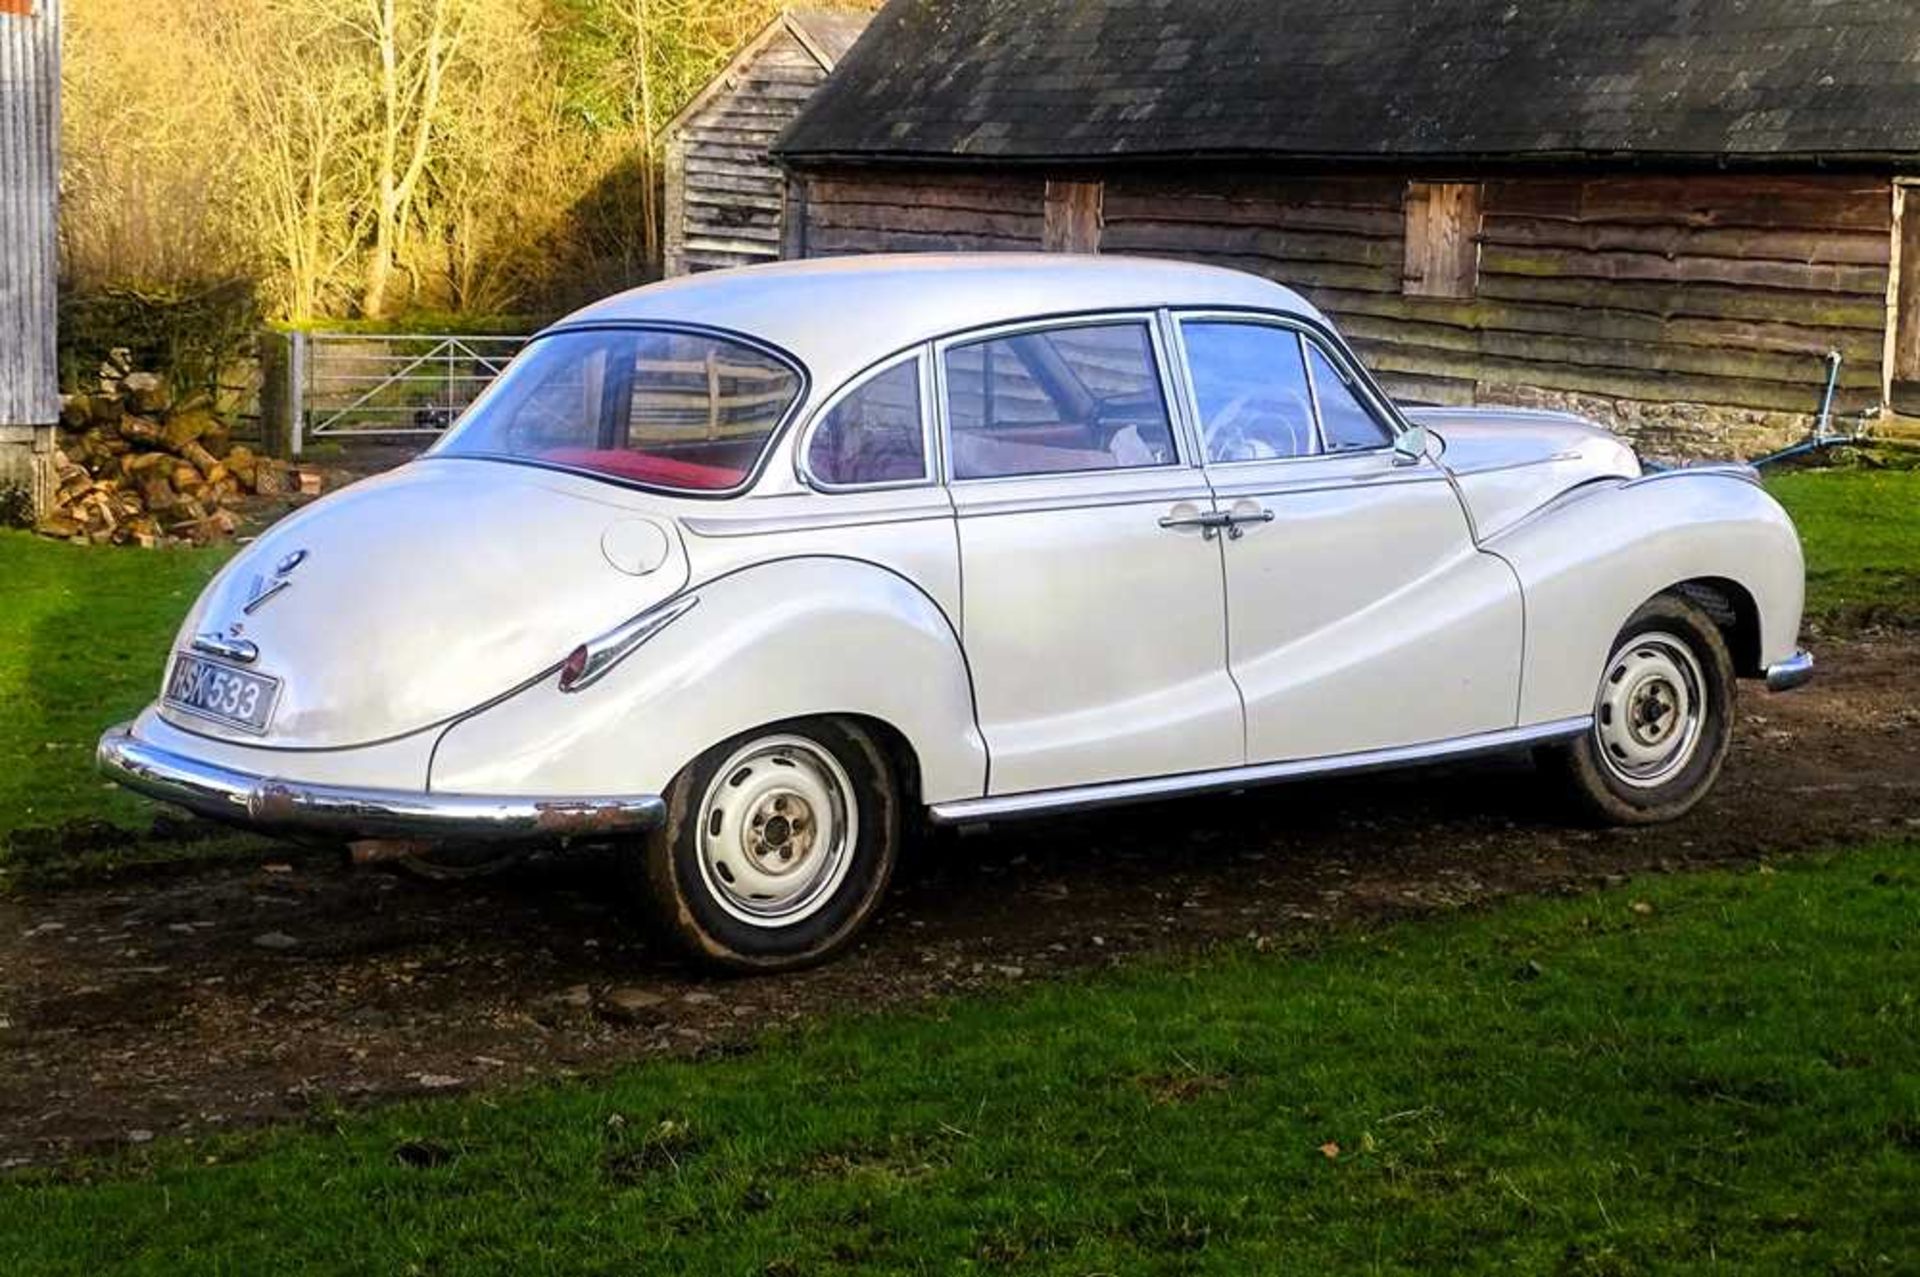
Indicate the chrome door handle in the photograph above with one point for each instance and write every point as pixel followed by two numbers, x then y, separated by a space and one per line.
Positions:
pixel 1208 521
pixel 1234 521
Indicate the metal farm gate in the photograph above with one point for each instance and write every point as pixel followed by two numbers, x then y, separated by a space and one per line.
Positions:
pixel 381 385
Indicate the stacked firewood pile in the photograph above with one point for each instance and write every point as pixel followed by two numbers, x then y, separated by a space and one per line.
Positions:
pixel 136 466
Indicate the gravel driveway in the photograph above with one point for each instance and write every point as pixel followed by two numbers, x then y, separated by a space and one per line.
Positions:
pixel 213 997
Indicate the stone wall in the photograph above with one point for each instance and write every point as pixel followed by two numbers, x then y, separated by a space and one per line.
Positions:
pixel 1684 431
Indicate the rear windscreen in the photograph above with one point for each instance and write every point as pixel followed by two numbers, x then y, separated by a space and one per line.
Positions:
pixel 691 412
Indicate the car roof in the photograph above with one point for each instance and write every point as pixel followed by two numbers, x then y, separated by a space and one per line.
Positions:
pixel 838 315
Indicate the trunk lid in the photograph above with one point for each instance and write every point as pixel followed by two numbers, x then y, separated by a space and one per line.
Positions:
pixel 410 598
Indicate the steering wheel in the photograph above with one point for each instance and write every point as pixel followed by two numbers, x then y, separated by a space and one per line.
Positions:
pixel 1236 432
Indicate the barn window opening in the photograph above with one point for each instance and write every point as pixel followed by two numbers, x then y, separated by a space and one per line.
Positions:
pixel 1074 217
pixel 1903 374
pixel 1443 239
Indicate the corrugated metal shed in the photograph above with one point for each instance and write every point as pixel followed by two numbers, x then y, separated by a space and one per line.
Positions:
pixel 29 185
pixel 29 167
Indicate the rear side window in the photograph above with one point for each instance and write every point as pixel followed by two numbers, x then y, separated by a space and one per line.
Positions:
pixel 1057 401
pixel 1250 384
pixel 875 434
pixel 1348 424
pixel 687 412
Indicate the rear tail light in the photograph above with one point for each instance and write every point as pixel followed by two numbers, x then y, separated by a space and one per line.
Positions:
pixel 573 668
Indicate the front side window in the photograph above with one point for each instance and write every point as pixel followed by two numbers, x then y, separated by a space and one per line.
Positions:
pixel 1347 423
pixel 1057 401
pixel 687 412
pixel 1250 384
pixel 874 434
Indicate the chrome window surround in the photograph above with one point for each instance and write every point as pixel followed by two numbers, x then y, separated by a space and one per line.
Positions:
pixel 1351 381
pixel 1370 396
pixel 754 474
pixel 1192 387
pixel 1169 391
pixel 930 459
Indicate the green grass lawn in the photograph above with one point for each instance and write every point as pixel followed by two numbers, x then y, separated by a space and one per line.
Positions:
pixel 1861 529
pixel 84 633
pixel 1699 1072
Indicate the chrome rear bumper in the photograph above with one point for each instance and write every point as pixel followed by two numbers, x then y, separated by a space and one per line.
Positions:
pixel 284 806
pixel 1790 673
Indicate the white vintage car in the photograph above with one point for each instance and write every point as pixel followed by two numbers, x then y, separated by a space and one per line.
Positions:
pixel 754 569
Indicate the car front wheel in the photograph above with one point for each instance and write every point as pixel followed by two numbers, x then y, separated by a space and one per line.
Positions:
pixel 1662 719
pixel 777 847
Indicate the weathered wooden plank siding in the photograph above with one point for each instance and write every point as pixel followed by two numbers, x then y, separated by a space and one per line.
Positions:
pixel 29 185
pixel 1716 292
pixel 724 196
pixel 29 180
pixel 851 213
pixel 1716 289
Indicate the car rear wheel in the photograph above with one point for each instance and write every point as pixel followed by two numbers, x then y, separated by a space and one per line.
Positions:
pixel 1663 719
pixel 777 847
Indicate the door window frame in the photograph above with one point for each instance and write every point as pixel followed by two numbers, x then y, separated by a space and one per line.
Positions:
pixel 1186 455
pixel 931 451
pixel 1369 395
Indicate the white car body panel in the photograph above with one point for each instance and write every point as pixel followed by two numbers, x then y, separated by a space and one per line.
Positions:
pixel 1034 642
pixel 1366 580
pixel 772 642
pixel 1095 635
pixel 1586 562
pixel 1505 459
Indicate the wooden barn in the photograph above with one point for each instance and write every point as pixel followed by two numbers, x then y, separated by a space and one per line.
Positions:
pixel 1662 215
pixel 29 184
pixel 724 192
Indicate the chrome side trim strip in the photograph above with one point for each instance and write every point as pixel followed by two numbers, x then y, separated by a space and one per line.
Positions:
pixel 1291 487
pixel 1795 671
pixel 282 806
pixel 970 506
pixel 1087 797
pixel 617 644
pixel 1720 469
pixel 814 521
pixel 1569 454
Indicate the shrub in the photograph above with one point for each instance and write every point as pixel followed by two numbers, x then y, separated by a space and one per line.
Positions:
pixel 188 335
pixel 16 506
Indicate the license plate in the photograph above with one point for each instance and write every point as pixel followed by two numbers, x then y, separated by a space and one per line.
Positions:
pixel 222 693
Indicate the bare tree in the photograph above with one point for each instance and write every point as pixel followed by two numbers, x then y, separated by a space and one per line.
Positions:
pixel 495 153
pixel 415 46
pixel 294 85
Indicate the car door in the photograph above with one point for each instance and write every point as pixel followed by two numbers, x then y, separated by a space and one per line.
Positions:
pixel 1092 599
pixel 1361 614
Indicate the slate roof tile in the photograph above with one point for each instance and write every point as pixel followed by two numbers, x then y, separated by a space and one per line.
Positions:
pixel 1036 80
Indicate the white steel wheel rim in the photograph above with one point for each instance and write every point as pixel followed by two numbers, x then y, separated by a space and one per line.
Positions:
pixel 778 825
pixel 1651 710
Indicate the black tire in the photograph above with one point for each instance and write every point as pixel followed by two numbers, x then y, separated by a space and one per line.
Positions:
pixel 688 886
pixel 1668 641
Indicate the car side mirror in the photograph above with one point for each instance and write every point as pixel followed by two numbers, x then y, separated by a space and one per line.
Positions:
pixel 1410 447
